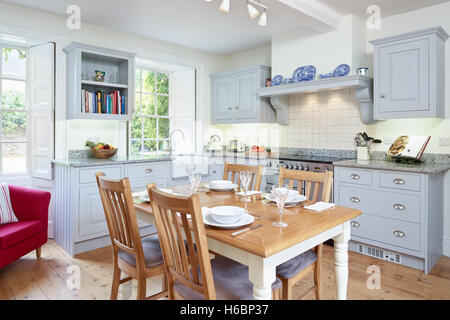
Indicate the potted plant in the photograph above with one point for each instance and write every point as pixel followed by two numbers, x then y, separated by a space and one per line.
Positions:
pixel 363 143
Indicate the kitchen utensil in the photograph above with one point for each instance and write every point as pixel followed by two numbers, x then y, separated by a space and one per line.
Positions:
pixel 234 234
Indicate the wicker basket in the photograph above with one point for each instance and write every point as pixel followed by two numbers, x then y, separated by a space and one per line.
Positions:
pixel 103 153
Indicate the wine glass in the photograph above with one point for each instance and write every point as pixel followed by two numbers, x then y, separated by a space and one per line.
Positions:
pixel 245 177
pixel 280 195
pixel 195 179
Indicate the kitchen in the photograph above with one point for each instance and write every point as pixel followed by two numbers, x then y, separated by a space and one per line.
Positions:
pixel 205 100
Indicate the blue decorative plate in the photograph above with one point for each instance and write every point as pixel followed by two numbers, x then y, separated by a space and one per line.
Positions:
pixel 326 76
pixel 306 73
pixel 341 70
pixel 287 81
pixel 277 80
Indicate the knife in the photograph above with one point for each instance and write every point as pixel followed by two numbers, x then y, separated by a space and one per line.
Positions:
pixel 234 234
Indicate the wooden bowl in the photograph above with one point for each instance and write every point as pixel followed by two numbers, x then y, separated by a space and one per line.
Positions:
pixel 103 153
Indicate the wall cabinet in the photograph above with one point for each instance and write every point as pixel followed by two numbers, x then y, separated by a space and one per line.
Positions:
pixel 235 97
pixel 409 75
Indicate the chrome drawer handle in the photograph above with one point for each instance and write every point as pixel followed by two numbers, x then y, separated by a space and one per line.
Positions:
pixel 355 200
pixel 355 177
pixel 355 224
pixel 149 171
pixel 399 181
pixel 399 207
pixel 399 234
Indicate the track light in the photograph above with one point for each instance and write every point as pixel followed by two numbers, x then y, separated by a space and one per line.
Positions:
pixel 263 19
pixel 252 12
pixel 225 6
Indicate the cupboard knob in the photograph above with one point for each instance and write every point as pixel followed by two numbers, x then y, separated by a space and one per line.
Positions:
pixel 399 207
pixel 382 96
pixel 355 224
pixel 230 108
pixel 149 171
pixel 355 177
pixel 399 234
pixel 399 181
pixel 237 108
pixel 355 199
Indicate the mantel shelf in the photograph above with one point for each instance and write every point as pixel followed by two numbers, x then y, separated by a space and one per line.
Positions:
pixel 279 95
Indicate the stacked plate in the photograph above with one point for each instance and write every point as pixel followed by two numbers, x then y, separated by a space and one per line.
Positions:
pixel 226 217
pixel 293 199
pixel 221 185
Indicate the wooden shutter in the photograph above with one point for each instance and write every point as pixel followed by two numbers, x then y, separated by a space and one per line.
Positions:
pixel 42 83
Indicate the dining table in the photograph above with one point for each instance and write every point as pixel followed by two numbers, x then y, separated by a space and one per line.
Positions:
pixel 268 246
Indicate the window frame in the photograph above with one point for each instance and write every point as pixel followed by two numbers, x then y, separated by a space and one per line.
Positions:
pixel 27 140
pixel 138 92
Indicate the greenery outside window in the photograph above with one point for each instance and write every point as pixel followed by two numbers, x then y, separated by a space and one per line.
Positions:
pixel 150 124
pixel 13 111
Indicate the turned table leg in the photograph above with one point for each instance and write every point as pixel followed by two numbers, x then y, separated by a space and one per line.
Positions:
pixel 341 261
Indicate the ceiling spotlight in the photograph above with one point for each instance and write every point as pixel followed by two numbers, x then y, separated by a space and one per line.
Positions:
pixel 263 19
pixel 225 6
pixel 252 12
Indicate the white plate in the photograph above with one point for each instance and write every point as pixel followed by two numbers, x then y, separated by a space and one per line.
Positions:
pixel 208 220
pixel 230 188
pixel 299 199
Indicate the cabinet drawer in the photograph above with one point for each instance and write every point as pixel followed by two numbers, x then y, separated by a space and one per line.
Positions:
pixel 382 203
pixel 350 175
pixel 141 184
pixel 393 232
pixel 88 175
pixel 400 181
pixel 148 170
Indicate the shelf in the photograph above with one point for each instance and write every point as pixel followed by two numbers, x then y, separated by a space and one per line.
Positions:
pixel 279 95
pixel 103 116
pixel 104 84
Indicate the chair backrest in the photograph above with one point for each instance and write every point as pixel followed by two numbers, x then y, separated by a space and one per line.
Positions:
pixel 173 225
pixel 120 215
pixel 231 172
pixel 316 183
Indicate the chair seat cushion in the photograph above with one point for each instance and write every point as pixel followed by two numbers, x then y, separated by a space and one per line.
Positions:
pixel 152 253
pixel 292 267
pixel 230 281
pixel 13 233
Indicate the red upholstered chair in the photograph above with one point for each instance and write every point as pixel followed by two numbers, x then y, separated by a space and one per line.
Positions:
pixel 30 233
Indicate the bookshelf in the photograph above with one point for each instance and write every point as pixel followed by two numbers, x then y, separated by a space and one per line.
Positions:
pixel 111 99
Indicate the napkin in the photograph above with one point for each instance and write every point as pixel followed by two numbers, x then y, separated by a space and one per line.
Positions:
pixel 320 206
pixel 249 193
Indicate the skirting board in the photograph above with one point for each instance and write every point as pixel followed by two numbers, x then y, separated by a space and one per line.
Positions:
pixel 446 242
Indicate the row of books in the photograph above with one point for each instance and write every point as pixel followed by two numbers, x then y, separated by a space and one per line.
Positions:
pixel 102 102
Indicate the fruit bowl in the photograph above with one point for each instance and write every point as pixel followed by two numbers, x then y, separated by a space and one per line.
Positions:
pixel 103 153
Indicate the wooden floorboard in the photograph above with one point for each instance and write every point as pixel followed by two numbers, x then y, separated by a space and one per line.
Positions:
pixel 46 278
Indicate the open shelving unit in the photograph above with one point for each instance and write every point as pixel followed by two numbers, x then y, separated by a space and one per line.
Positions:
pixel 82 62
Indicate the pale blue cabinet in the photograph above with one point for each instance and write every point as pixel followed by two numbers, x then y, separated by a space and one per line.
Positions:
pixel 409 75
pixel 235 98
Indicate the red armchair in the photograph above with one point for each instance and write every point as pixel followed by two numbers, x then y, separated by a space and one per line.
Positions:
pixel 30 233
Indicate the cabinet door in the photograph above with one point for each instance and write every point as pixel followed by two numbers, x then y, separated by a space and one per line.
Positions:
pixel 404 77
pixel 247 100
pixel 222 99
pixel 91 217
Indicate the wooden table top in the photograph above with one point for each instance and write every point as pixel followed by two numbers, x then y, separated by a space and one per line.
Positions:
pixel 267 240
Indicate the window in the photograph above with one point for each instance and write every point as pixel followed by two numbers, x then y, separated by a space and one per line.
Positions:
pixel 150 124
pixel 13 111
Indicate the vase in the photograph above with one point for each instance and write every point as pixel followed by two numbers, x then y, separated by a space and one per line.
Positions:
pixel 363 153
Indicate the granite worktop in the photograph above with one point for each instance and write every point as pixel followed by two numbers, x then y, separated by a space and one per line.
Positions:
pixel 422 167
pixel 92 162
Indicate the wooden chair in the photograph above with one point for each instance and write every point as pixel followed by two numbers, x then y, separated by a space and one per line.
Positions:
pixel 137 257
pixel 190 272
pixel 234 169
pixel 292 271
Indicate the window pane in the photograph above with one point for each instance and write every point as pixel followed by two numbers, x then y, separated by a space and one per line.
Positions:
pixel 148 104
pixel 13 62
pixel 148 81
pixel 164 128
pixel 163 145
pixel 138 80
pixel 137 104
pixel 136 127
pixel 149 128
pixel 163 83
pixel 14 125
pixel 136 146
pixel 163 105
pixel 149 146
pixel 14 157
pixel 13 94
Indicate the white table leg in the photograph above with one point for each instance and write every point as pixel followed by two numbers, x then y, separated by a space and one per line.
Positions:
pixel 262 275
pixel 341 261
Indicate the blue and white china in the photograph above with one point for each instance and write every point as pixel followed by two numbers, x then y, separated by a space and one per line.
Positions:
pixel 277 80
pixel 326 76
pixel 305 73
pixel 341 70
pixel 362 71
pixel 287 81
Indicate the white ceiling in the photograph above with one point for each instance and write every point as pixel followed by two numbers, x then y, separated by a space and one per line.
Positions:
pixel 201 25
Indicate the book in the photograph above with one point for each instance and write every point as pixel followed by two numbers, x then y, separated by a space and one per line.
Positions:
pixel 102 102
pixel 411 147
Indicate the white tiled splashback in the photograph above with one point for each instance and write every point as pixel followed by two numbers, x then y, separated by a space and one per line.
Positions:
pixel 322 120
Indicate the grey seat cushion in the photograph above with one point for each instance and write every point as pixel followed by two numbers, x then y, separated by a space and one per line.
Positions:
pixel 292 267
pixel 230 281
pixel 152 253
